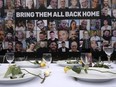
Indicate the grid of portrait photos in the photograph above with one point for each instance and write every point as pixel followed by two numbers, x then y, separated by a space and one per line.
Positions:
pixel 53 34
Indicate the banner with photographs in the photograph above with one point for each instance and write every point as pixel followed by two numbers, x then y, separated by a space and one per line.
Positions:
pixel 57 26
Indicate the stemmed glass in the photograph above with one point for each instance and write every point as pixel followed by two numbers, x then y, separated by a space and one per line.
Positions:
pixel 47 57
pixel 84 59
pixel 108 51
pixel 22 58
pixel 9 57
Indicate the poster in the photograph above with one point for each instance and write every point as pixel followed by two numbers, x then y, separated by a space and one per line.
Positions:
pixel 57 26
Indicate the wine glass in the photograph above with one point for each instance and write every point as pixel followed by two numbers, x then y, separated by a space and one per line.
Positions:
pixel 22 58
pixel 84 59
pixel 9 57
pixel 108 51
pixel 47 57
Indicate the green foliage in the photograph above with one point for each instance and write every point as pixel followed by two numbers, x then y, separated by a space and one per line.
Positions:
pixel 79 69
pixel 101 65
pixel 35 62
pixel 76 69
pixel 13 70
pixel 72 62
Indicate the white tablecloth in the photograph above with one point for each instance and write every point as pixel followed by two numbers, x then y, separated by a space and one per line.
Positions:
pixel 59 79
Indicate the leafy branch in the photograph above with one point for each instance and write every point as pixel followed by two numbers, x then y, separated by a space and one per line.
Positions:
pixel 14 70
pixel 43 79
pixel 32 73
pixel 79 69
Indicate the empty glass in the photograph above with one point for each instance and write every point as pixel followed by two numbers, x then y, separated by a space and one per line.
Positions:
pixel 22 58
pixel 85 59
pixel 9 57
pixel 108 51
pixel 47 57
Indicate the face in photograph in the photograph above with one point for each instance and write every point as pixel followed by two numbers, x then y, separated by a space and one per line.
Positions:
pixel 63 44
pixel 9 4
pixel 52 34
pixel 114 33
pixel 73 25
pixel 31 37
pixel 1 4
pixel 74 46
pixel 31 34
pixel 73 35
pixel 105 11
pixel 106 33
pixel 10 46
pixel 85 34
pixel 97 24
pixel 20 25
pixel 62 3
pixel 114 46
pixel 63 25
pixel 114 13
pixel 105 3
pixel 9 26
pixel 53 4
pixel 20 35
pixel 31 47
pixel 1 27
pixel 93 44
pixel 9 23
pixel 30 25
pixel 83 25
pixel 94 33
pixel 105 43
pixel 42 36
pixel 42 44
pixel 9 37
pixel 52 25
pixel 105 22
pixel 17 3
pixel 41 2
pixel 114 4
pixel 40 24
pixel 73 3
pixel 53 46
pixel 114 25
pixel 18 46
pixel 1 35
pixel 94 3
pixel 84 3
pixel 63 35
pixel 30 4
pixel 9 15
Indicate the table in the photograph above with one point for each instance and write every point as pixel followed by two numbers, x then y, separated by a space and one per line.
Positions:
pixel 59 79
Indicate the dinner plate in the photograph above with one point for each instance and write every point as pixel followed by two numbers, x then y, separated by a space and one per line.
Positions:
pixel 94 76
pixel 26 64
pixel 64 63
pixel 27 77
